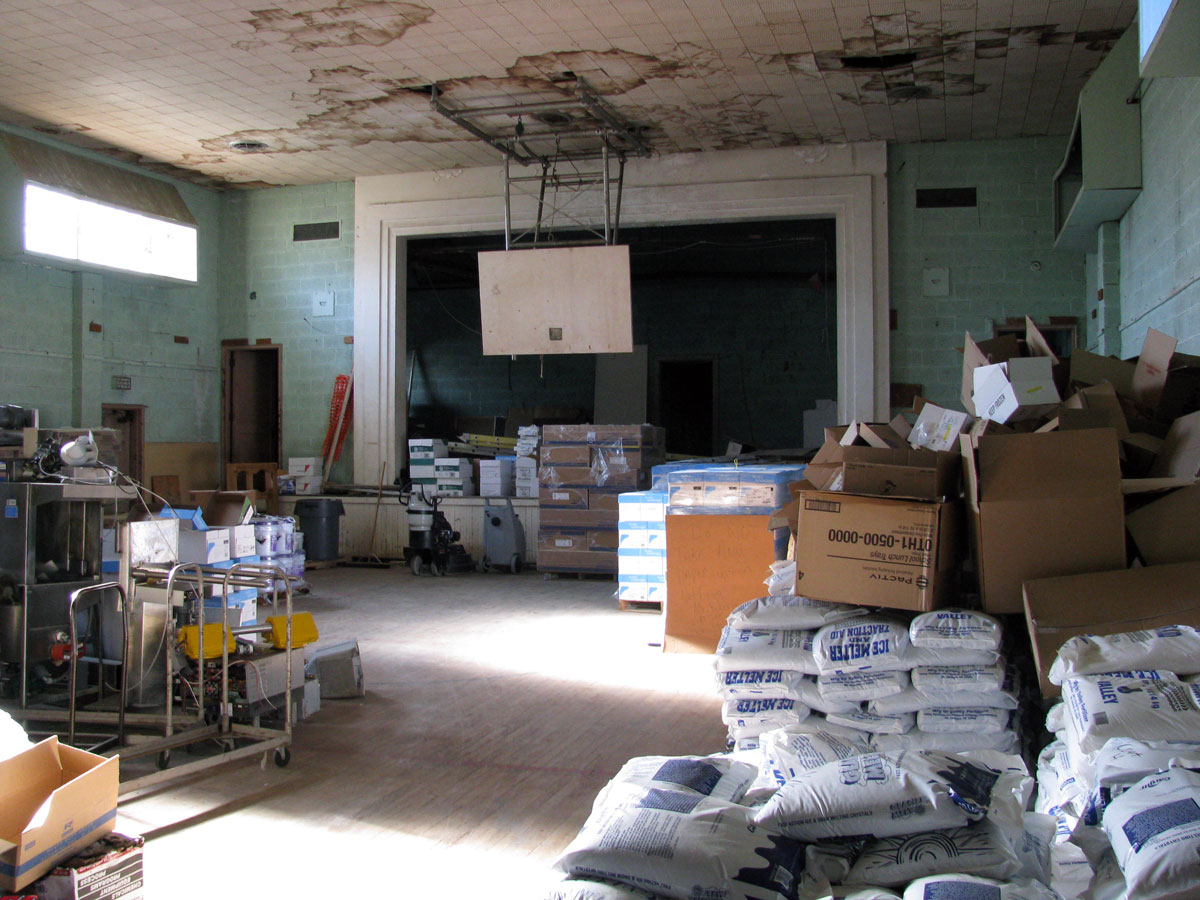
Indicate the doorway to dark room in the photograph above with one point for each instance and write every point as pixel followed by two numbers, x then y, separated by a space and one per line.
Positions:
pixel 686 405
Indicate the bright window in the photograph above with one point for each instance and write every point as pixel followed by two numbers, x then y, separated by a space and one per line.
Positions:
pixel 69 227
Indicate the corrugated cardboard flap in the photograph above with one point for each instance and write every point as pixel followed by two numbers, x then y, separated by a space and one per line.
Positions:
pixel 1062 465
pixel 1057 609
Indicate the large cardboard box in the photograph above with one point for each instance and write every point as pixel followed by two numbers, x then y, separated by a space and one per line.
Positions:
pixel 629 436
pixel 57 800
pixel 1165 530
pixel 876 551
pixel 601 561
pixel 1042 505
pixel 204 547
pixel 1057 609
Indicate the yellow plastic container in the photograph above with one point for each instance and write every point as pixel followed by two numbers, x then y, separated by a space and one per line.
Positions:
pixel 304 630
pixel 189 639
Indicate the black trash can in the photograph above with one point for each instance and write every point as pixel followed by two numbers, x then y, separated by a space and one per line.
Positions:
pixel 319 521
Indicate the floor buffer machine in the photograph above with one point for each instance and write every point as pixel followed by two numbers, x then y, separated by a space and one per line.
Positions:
pixel 433 546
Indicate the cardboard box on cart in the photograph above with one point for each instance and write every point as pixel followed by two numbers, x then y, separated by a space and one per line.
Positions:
pixel 57 800
pixel 1040 505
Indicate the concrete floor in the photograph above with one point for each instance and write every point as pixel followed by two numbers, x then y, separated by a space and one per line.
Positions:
pixel 496 708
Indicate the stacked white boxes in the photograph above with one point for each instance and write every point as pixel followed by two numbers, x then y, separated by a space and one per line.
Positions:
pixel 496 476
pixel 454 477
pixel 422 453
pixel 525 476
pixel 642 547
pixel 307 472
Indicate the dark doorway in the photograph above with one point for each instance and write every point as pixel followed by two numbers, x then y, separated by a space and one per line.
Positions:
pixel 685 405
pixel 250 397
pixel 130 421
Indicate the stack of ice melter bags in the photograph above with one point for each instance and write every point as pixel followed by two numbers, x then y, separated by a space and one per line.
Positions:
pixel 422 456
pixel 732 490
pixel 496 476
pixel 584 468
pixel 938 683
pixel 1122 776
pixel 642 548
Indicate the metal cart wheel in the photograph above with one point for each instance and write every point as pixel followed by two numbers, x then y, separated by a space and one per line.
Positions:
pixel 283 756
pixel 485 565
pixel 514 565
pixel 163 759
pixel 417 565
pixel 436 568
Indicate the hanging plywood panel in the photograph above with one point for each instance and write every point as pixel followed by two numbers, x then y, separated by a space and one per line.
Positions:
pixel 555 300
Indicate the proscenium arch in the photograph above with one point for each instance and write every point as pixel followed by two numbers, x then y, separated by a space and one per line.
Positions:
pixel 845 183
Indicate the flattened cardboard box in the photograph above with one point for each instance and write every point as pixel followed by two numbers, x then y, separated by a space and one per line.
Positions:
pixel 57 800
pixel 1057 609
pixel 875 551
pixel 1041 505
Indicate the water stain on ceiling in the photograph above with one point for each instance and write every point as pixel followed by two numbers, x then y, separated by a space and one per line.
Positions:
pixel 347 23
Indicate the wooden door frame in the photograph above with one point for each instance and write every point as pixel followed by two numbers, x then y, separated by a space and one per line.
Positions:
pixel 137 449
pixel 227 350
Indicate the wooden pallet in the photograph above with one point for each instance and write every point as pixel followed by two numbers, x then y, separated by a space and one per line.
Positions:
pixel 650 606
pixel 325 563
pixel 551 574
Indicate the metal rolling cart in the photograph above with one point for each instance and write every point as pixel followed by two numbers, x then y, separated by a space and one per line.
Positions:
pixel 221 727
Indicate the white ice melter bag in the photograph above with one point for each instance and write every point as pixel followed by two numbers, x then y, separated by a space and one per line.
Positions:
pixel 742 710
pixel 966 719
pixel 789 751
pixel 1123 762
pixel 1174 647
pixel 778 683
pixel 874 724
pixel 882 795
pixel 788 611
pixel 754 648
pixel 856 687
pixel 1002 742
pixel 873 643
pixel 950 656
pixel 683 845
pixel 1099 708
pixel 955 628
pixel 913 700
pixel 971 887
pixel 1154 828
pixel 977 849
pixel 718 777
pixel 583 889
pixel 1054 718
pixel 782 579
pixel 972 679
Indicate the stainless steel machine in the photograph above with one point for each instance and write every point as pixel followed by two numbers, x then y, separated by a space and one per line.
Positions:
pixel 50 546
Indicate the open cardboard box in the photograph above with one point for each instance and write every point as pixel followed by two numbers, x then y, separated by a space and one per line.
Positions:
pixel 1057 609
pixel 1041 505
pixel 57 800
pixel 1015 390
pixel 977 354
pixel 885 472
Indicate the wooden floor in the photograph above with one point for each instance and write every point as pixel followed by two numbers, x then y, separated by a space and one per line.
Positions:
pixel 496 708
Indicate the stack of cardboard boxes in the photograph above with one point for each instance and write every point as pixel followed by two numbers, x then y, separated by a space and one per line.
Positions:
pixel 1058 496
pixel 584 468
pixel 307 473
pixel 496 476
pixel 423 454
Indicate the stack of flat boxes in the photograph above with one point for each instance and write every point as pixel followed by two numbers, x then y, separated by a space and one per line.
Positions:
pixel 308 473
pixel 454 477
pixel 496 476
pixel 422 456
pixel 525 477
pixel 584 469
pixel 642 548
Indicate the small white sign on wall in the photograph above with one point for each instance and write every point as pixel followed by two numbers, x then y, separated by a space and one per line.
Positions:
pixel 322 303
